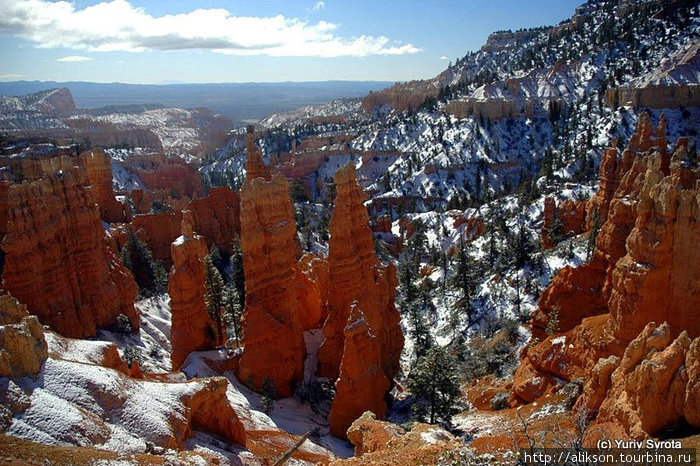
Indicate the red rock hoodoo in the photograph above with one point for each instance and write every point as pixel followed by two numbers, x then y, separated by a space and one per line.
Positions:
pixel 99 172
pixel 357 278
pixel 362 385
pixel 272 327
pixel 569 217
pixel 57 258
pixel 192 328
pixel 254 165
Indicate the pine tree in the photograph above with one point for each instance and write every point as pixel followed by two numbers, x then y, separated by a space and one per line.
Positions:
pixel 214 295
pixel 237 274
pixel 148 272
pixel 434 379
pixel 465 282
pixel 233 311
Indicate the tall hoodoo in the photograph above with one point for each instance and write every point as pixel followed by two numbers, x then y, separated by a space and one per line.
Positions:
pixel 192 328
pixel 357 276
pixel 272 327
pixel 57 258
pixel 254 165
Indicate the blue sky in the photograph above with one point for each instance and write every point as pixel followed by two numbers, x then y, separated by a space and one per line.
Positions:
pixel 138 41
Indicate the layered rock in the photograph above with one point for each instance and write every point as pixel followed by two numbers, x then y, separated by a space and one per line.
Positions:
pixel 356 278
pixel 57 258
pixel 254 165
pixel 23 347
pixel 362 385
pixel 217 217
pixel 192 328
pixel 99 172
pixel 272 327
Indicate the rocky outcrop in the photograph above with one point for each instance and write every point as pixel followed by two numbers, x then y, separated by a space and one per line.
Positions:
pixel 659 96
pixel 357 279
pixel 192 328
pixel 272 327
pixel 99 172
pixel 57 258
pixel 217 217
pixel 362 385
pixel 651 388
pixel 254 165
pixel 382 443
pixel 23 347
pixel 566 219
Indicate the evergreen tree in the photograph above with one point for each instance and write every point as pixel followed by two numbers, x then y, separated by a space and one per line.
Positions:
pixel 214 295
pixel 464 281
pixel 233 311
pixel 237 275
pixel 434 379
pixel 148 272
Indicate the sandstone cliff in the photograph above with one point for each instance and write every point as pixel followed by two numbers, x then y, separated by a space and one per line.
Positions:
pixel 217 217
pixel 569 218
pixel 57 258
pixel 192 328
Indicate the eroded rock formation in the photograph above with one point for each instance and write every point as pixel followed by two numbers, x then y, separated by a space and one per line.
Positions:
pixel 651 388
pixel 644 270
pixel 23 347
pixel 362 385
pixel 192 328
pixel 57 258
pixel 272 328
pixel 254 165
pixel 383 443
pixel 217 217
pixel 357 279
pixel 99 172
pixel 566 219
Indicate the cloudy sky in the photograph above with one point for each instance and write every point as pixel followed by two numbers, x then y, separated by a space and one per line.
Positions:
pixel 142 41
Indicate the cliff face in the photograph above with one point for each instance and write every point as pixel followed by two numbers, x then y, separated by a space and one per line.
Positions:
pixel 644 271
pixel 217 217
pixel 172 175
pixel 158 231
pixel 57 258
pixel 272 328
pixel 192 328
pixel 357 278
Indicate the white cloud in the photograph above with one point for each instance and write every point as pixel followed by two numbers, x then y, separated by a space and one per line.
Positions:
pixel 116 25
pixel 12 76
pixel 73 59
pixel 319 6
pixel 443 57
